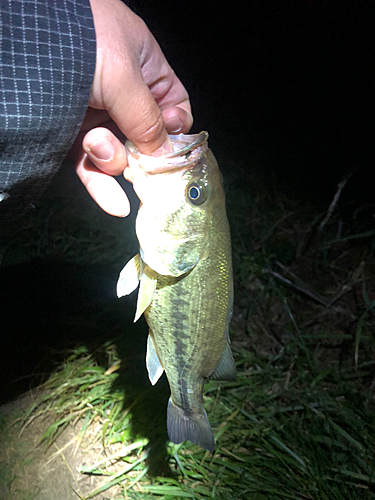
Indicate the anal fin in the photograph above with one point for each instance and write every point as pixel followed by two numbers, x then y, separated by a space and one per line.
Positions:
pixel 226 368
pixel 195 428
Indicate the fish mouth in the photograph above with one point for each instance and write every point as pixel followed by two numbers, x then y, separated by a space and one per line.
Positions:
pixel 192 142
pixel 187 150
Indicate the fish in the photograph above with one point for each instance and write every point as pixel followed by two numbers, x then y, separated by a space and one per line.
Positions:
pixel 185 278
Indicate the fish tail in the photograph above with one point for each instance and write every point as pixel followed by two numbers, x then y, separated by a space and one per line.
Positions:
pixel 195 428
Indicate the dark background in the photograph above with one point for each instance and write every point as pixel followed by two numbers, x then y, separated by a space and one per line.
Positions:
pixel 290 83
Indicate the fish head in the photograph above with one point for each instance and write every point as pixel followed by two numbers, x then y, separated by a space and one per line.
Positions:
pixel 176 206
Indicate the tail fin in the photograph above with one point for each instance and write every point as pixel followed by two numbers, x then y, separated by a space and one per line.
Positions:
pixel 196 428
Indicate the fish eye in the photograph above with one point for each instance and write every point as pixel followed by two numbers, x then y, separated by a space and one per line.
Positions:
pixel 196 194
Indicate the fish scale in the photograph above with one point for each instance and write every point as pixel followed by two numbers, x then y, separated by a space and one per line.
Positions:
pixel 185 274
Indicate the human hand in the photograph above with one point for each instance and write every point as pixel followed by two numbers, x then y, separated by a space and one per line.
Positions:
pixel 135 94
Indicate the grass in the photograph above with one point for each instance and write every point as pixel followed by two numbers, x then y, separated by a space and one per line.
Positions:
pixel 297 423
pixel 279 433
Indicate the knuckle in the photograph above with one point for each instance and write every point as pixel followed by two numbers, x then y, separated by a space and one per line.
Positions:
pixel 152 133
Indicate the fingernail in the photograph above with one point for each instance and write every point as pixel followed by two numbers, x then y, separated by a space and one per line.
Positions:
pixel 103 150
pixel 174 125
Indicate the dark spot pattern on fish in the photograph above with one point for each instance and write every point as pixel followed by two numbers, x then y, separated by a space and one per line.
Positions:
pixel 184 396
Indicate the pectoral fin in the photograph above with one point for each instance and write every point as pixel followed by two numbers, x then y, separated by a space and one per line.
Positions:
pixel 226 368
pixel 147 289
pixel 129 277
pixel 154 367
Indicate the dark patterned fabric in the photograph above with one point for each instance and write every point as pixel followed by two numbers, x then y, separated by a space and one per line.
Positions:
pixel 47 64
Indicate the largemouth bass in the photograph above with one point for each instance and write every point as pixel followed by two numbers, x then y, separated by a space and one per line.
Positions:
pixel 185 273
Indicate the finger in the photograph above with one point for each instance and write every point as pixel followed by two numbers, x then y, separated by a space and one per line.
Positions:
pixel 139 118
pixel 118 84
pixel 103 188
pixel 105 151
pixel 177 120
pixel 166 88
pixel 133 80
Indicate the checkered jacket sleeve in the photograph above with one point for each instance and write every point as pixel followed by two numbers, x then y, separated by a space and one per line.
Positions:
pixel 47 63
